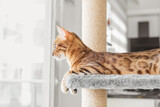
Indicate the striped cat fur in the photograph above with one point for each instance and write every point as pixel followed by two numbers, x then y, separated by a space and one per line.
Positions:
pixel 85 61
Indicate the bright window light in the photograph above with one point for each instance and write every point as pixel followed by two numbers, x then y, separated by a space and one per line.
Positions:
pixel 119 36
pixel 119 22
pixel 23 39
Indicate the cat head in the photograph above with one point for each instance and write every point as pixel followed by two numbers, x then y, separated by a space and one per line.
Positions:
pixel 62 42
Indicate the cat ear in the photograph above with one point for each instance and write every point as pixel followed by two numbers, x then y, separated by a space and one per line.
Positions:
pixel 64 34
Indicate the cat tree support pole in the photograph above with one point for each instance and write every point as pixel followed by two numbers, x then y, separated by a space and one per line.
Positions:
pixel 94 36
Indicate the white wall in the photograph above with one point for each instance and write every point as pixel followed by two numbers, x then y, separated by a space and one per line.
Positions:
pixel 118 25
pixel 143 4
pixel 153 25
pixel 72 16
pixel 140 11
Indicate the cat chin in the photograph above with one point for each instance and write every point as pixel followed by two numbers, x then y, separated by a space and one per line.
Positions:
pixel 59 58
pixel 62 57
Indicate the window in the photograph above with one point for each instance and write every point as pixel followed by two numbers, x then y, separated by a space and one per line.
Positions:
pixel 24 53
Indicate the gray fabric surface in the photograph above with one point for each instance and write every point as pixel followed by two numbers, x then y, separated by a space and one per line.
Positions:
pixel 114 81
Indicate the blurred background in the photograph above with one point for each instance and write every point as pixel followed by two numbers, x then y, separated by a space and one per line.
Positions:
pixel 30 77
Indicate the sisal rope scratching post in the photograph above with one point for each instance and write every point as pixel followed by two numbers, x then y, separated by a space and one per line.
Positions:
pixel 94 36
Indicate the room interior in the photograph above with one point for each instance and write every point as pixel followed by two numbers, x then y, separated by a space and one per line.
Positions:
pixel 132 25
pixel 31 77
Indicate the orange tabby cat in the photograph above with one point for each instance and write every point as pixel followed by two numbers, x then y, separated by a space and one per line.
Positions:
pixel 85 61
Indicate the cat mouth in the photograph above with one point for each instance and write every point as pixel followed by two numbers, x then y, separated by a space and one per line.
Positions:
pixel 53 53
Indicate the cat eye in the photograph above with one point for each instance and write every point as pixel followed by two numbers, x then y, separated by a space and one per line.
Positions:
pixel 55 45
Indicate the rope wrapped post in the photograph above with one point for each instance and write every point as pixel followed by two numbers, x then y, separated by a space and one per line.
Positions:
pixel 94 36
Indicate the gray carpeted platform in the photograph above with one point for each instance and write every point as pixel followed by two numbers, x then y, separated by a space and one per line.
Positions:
pixel 114 81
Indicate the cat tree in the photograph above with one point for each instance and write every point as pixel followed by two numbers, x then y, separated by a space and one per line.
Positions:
pixel 94 36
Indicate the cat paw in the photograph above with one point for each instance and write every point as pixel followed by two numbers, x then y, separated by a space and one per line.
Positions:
pixel 73 91
pixel 64 89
